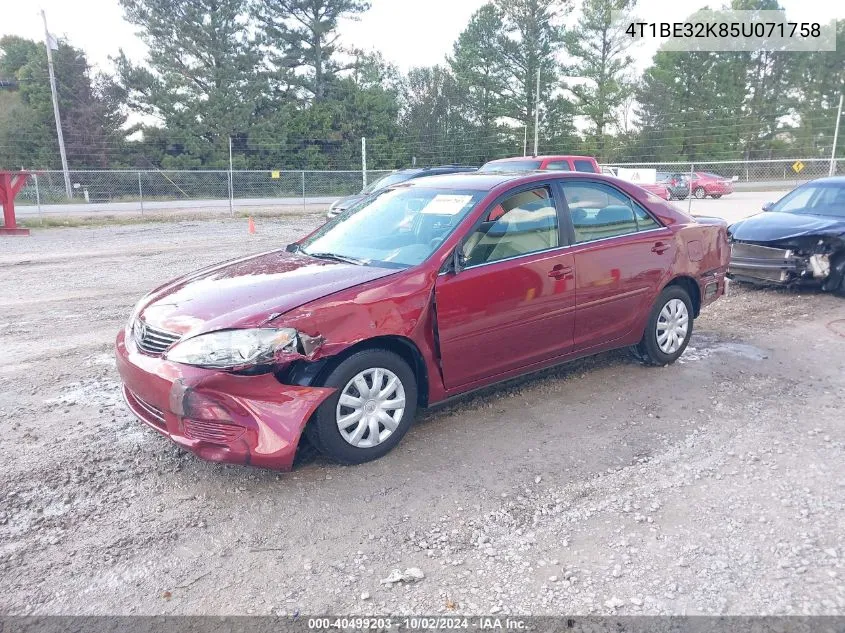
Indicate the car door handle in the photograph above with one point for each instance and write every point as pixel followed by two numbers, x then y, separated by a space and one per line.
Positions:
pixel 561 272
pixel 660 248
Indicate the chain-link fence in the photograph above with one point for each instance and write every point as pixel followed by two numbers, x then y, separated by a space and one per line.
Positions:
pixel 143 191
pixel 756 175
pixel 148 191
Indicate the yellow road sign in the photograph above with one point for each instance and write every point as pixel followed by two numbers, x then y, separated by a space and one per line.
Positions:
pixel 797 166
pixel 275 174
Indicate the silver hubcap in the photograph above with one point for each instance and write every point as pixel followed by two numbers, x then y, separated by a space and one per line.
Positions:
pixel 672 326
pixel 370 407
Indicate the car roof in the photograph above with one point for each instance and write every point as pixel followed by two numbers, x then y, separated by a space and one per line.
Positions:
pixel 541 158
pixel 829 180
pixel 444 169
pixel 487 181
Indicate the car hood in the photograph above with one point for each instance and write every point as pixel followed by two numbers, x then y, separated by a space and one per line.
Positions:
pixel 773 226
pixel 345 203
pixel 249 292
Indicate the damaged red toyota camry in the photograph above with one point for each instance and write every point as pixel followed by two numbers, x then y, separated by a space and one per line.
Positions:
pixel 418 293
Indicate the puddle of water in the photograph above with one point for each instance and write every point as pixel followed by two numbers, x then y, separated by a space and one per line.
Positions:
pixel 707 347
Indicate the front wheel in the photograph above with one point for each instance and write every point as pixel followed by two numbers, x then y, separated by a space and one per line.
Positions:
pixel 373 407
pixel 699 193
pixel 668 330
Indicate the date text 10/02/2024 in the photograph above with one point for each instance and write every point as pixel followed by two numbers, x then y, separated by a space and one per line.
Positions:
pixel 482 623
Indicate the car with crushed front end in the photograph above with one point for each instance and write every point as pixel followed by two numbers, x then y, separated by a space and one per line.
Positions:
pixel 425 291
pixel 798 240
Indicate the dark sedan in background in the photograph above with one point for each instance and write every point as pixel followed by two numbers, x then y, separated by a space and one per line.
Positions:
pixel 676 183
pixel 798 240
pixel 394 178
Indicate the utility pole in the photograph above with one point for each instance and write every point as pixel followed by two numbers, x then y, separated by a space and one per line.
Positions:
pixel 832 169
pixel 364 161
pixel 48 43
pixel 525 141
pixel 537 114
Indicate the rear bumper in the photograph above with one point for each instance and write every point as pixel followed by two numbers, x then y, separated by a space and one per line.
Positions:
pixel 218 416
pixel 718 188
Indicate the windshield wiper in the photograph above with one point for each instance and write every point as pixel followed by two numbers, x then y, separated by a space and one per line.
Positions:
pixel 339 258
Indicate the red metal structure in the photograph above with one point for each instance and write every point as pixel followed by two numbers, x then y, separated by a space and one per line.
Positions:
pixel 10 184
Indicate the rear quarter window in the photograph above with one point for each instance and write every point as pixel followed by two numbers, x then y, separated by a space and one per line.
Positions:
pixel 558 165
pixel 585 165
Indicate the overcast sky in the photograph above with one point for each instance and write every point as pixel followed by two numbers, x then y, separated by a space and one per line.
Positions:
pixel 408 32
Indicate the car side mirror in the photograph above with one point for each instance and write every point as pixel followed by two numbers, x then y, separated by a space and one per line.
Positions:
pixel 459 260
pixel 768 206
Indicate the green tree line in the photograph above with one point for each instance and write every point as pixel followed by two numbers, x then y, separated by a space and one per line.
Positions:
pixel 271 80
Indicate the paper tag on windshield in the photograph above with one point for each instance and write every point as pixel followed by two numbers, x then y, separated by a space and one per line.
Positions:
pixel 446 205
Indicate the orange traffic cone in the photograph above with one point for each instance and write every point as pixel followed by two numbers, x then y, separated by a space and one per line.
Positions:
pixel 251 226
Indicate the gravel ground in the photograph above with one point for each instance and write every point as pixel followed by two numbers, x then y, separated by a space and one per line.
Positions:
pixel 716 485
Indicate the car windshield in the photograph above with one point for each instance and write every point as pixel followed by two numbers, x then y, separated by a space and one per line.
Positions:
pixel 386 181
pixel 397 227
pixel 512 165
pixel 814 199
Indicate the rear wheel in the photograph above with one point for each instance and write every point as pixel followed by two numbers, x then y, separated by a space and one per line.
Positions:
pixel 699 193
pixel 668 330
pixel 717 196
pixel 372 409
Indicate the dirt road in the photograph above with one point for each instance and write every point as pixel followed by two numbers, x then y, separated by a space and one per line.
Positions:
pixel 716 485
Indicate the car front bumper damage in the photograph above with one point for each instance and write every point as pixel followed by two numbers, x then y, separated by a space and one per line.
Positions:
pixel 218 416
pixel 772 265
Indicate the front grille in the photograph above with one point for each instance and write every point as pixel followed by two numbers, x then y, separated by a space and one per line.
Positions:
pixel 212 432
pixel 144 410
pixel 151 340
pixel 752 261
pixel 755 251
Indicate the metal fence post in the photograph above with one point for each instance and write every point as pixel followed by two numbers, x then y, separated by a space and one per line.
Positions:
pixel 231 182
pixel 832 169
pixel 38 198
pixel 304 204
pixel 691 172
pixel 141 193
pixel 364 161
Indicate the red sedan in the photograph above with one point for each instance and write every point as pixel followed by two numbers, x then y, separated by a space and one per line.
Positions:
pixel 706 184
pixel 422 292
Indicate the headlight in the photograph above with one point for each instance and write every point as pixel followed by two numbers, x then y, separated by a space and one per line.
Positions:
pixel 233 349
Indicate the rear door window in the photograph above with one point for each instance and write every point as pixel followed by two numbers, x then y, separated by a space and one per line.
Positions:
pixel 599 212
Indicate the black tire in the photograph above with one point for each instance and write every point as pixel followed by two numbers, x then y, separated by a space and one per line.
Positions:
pixel 699 193
pixel 839 291
pixel 322 431
pixel 648 350
pixel 716 196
